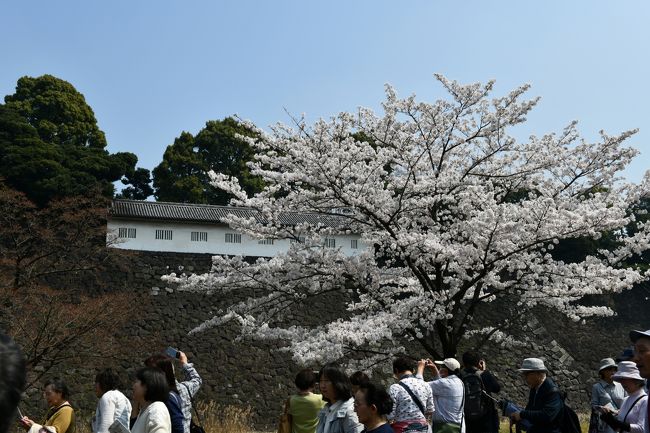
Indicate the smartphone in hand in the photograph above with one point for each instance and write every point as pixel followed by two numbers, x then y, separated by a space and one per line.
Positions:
pixel 172 353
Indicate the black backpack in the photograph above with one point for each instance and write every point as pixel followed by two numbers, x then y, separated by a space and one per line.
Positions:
pixel 569 422
pixel 477 404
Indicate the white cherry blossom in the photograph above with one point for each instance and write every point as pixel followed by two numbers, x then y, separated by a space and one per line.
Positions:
pixel 457 213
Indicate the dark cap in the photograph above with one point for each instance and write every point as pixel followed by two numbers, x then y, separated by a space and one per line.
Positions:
pixel 627 355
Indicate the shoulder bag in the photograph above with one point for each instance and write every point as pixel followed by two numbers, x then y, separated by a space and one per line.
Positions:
pixel 194 428
pixel 284 425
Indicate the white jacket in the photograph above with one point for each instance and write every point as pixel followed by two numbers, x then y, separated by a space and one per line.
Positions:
pixel 112 406
pixel 153 419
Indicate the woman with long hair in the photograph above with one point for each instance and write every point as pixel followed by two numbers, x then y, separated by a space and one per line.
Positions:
pixel 338 415
pixel 150 391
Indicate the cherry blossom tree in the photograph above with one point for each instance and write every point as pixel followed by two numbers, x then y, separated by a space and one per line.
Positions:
pixel 454 212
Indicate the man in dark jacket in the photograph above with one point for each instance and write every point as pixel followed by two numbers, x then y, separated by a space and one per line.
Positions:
pixel 544 408
pixel 474 364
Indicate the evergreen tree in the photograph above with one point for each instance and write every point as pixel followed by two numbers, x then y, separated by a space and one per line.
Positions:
pixel 182 176
pixel 50 144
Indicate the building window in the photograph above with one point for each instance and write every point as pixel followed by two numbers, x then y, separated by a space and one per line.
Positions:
pixel 330 243
pixel 124 232
pixel 354 244
pixel 300 240
pixel 199 236
pixel 165 235
pixel 265 242
pixel 233 238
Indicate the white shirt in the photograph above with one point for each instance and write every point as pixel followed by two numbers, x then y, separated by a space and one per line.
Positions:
pixel 637 415
pixel 448 400
pixel 112 406
pixel 153 419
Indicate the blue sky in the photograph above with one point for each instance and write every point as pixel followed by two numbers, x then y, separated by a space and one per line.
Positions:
pixel 151 69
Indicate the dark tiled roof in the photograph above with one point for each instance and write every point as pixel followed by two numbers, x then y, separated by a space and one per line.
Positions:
pixel 209 213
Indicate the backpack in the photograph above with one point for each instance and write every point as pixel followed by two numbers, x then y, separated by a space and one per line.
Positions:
pixel 569 422
pixel 476 403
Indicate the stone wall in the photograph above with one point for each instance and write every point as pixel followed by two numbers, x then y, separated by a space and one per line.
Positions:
pixel 260 376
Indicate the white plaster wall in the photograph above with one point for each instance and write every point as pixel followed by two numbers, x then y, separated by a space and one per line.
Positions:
pixel 145 239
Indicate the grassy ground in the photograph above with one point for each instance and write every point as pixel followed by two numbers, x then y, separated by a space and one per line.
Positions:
pixel 584 424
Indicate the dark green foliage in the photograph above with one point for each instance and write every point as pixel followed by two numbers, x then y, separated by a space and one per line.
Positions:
pixel 182 176
pixel 57 111
pixel 140 185
pixel 51 146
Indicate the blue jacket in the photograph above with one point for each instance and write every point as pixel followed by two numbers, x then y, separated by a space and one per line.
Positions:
pixel 342 418
pixel 173 404
pixel 544 409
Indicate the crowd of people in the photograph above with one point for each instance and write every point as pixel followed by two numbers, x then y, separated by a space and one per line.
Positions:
pixel 464 398
pixel 452 399
pixel 160 403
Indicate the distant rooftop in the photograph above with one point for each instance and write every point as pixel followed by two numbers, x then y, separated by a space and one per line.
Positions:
pixel 190 212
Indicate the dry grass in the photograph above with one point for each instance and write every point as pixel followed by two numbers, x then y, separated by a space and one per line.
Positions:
pixel 225 419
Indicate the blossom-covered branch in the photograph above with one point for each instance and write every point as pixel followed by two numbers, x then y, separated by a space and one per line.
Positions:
pixel 453 211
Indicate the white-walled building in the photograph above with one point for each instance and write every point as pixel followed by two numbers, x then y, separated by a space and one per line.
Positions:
pixel 198 228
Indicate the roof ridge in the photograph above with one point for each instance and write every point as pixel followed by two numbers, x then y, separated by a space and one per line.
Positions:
pixel 158 203
pixel 226 207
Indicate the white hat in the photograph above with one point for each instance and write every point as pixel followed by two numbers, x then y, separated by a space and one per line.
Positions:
pixel 627 370
pixel 606 363
pixel 635 335
pixel 532 364
pixel 450 363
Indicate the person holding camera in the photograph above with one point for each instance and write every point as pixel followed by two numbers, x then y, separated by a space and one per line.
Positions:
pixel 303 407
pixel 448 394
pixel 186 389
pixel 413 401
